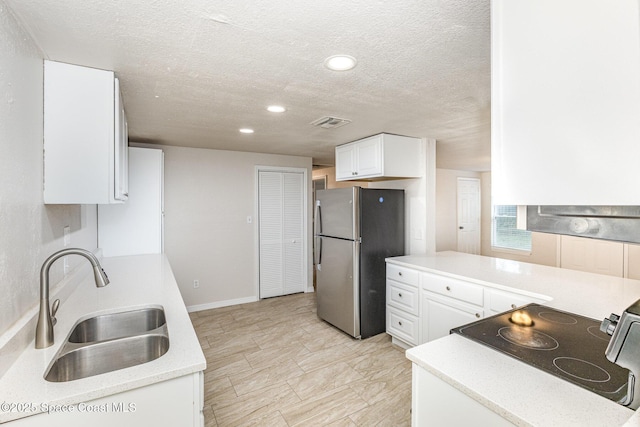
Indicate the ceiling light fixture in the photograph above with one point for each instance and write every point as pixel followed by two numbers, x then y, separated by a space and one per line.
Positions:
pixel 276 109
pixel 246 130
pixel 340 62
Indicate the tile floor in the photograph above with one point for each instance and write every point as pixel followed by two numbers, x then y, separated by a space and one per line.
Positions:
pixel 274 363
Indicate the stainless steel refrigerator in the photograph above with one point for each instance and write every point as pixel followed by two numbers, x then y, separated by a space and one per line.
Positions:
pixel 355 230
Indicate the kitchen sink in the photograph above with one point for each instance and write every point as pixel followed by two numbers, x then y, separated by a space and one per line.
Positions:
pixel 109 342
pixel 117 325
pixel 102 357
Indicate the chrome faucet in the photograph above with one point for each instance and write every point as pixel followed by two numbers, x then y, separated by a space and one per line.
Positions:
pixel 46 317
pixel 624 349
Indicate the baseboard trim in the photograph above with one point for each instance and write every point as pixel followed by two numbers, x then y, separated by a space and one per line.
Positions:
pixel 218 304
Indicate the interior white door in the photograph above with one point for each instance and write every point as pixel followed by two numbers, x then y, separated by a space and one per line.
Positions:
pixel 281 216
pixel 469 215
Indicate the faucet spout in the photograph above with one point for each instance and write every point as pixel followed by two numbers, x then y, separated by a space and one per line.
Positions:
pixel 46 320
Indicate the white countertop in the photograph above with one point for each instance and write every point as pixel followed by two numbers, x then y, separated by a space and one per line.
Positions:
pixel 524 395
pixel 592 295
pixel 136 281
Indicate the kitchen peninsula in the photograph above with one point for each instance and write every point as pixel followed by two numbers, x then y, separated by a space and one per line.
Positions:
pixel 453 372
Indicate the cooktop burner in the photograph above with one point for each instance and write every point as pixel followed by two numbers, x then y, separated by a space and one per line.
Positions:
pixel 567 345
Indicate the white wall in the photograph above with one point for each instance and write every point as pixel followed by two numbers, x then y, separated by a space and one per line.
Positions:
pixel 447 207
pixel 29 230
pixel 208 196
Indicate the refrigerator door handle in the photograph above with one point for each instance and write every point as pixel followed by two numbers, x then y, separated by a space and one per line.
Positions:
pixel 318 218
pixel 319 252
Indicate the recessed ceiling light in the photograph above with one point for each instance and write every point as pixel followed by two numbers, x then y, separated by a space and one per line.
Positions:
pixel 246 130
pixel 276 109
pixel 340 62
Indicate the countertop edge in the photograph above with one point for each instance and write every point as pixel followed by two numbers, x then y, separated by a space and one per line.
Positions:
pixel 508 403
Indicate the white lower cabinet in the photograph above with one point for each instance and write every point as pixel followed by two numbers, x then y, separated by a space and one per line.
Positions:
pixel 436 403
pixel 440 314
pixel 446 303
pixel 424 306
pixel 403 305
pixel 175 402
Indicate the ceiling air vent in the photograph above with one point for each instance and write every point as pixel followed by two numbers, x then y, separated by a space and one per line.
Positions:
pixel 330 122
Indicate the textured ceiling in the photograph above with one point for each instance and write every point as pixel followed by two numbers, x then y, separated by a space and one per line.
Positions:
pixel 195 71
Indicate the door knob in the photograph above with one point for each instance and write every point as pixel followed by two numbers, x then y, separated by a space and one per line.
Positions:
pixel 461 228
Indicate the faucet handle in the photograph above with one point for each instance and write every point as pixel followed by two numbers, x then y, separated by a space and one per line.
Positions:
pixel 54 310
pixel 609 324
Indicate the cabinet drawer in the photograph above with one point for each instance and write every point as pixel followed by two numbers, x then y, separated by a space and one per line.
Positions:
pixel 402 274
pixel 403 326
pixel 500 301
pixel 457 289
pixel 404 297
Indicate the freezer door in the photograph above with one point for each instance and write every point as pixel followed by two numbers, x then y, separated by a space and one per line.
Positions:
pixel 335 213
pixel 337 284
pixel 382 232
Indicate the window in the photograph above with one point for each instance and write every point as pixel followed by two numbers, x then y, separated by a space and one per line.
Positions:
pixel 504 233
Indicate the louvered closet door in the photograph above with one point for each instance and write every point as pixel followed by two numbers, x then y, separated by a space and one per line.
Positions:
pixel 293 232
pixel 281 228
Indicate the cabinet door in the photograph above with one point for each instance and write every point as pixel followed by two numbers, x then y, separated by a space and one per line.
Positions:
pixel 437 403
pixel 175 402
pixel 121 147
pixel 592 255
pixel 441 314
pixel 565 102
pixel 369 157
pixel 632 263
pixel 85 141
pixel 345 162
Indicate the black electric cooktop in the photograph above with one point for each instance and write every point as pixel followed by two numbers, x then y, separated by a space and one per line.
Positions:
pixel 567 345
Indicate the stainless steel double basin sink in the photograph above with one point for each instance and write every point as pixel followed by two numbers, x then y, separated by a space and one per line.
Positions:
pixel 109 342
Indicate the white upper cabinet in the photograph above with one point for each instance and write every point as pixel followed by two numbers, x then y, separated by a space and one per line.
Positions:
pixel 85 136
pixel 565 102
pixel 379 156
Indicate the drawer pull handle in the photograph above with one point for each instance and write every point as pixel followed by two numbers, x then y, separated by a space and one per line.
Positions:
pixel 399 295
pixel 399 273
pixel 400 323
pixel 513 306
pixel 448 288
pixel 478 315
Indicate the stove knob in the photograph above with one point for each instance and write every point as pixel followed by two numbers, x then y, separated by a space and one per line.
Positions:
pixel 609 325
